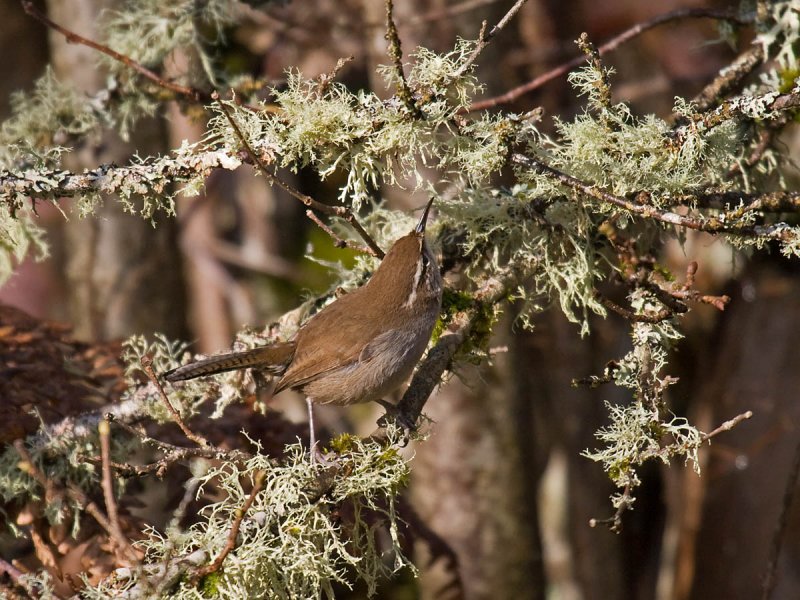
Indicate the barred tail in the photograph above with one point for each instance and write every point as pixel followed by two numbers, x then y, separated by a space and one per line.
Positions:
pixel 273 359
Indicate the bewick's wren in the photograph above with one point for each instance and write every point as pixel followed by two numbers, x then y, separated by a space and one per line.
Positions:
pixel 363 345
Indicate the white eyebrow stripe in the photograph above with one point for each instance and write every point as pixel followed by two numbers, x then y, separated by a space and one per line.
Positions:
pixel 417 276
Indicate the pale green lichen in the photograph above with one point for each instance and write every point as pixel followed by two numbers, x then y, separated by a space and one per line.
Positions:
pixel 20 236
pixel 293 542
pixel 373 141
pixel 644 429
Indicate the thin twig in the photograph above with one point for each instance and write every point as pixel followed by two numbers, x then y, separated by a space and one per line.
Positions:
pixel 779 231
pixel 104 429
pixel 147 366
pixel 448 12
pixel 609 46
pixel 662 315
pixel 325 80
pixel 727 425
pixel 770 577
pixel 73 38
pixel 614 523
pixel 341 211
pixel 172 453
pixel 592 55
pixel 337 241
pixel 230 544
pixel 395 52
pixel 484 38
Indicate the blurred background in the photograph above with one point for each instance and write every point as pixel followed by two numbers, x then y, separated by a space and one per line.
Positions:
pixel 501 498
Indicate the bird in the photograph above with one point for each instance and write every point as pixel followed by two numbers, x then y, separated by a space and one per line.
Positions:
pixel 363 345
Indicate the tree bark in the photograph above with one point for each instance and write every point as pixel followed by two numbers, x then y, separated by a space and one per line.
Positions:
pixel 758 369
pixel 122 274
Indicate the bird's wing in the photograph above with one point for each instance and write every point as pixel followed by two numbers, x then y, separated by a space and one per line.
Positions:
pixel 333 339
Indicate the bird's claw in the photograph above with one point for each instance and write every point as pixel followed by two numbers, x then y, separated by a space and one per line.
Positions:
pixel 400 418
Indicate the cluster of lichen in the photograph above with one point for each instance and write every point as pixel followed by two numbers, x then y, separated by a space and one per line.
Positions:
pixel 306 530
pixel 644 429
pixel 372 141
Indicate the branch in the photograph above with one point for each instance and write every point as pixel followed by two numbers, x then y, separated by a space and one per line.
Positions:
pixel 151 176
pixel 395 52
pixel 744 108
pixel 230 544
pixel 727 425
pixel 484 38
pixel 774 202
pixel 779 231
pixel 662 315
pixel 609 46
pixel 73 38
pixel 730 78
pixel 147 365
pixel 341 211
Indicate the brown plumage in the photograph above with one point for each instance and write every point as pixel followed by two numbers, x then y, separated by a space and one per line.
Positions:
pixel 363 345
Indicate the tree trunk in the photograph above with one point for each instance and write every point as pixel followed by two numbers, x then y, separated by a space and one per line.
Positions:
pixel 758 369
pixel 123 274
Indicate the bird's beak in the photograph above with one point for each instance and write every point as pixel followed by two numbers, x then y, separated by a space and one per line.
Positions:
pixel 424 218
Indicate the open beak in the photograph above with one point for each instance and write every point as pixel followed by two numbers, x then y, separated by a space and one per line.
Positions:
pixel 424 218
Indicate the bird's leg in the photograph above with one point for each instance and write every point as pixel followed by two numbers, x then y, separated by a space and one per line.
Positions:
pixel 316 454
pixel 312 436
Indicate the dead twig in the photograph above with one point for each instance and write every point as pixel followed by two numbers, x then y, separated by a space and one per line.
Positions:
pixel 147 366
pixel 609 46
pixel 104 429
pixel 624 503
pixel 341 211
pixel 727 425
pixel 484 38
pixel 73 38
pixel 230 544
pixel 74 493
pixel 395 52
pixel 778 232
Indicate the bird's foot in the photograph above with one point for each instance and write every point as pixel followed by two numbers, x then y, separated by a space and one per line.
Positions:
pixel 400 418
pixel 325 459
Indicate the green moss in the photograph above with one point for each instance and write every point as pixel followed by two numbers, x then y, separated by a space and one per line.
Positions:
pixel 453 302
pixel 344 443
pixel 209 585
pixel 482 327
